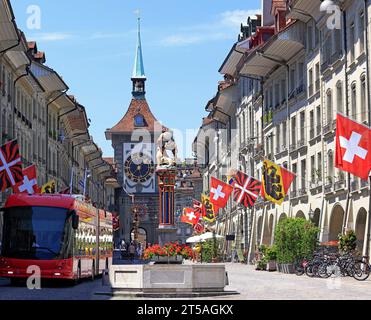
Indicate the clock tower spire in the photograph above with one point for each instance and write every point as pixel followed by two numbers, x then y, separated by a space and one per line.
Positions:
pixel 139 78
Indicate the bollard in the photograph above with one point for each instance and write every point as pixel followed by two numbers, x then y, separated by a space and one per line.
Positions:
pixel 105 278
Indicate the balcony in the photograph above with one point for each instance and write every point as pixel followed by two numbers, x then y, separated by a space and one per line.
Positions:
pixel 310 90
pixel 301 144
pixel 312 134
pixel 329 127
pixel 364 184
pixel 300 89
pixel 293 147
pixel 294 194
pixel 317 86
pixel 354 186
pixel 328 187
pixel 319 130
pixel 339 184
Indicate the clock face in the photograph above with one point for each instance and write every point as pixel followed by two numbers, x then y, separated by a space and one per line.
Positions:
pixel 139 168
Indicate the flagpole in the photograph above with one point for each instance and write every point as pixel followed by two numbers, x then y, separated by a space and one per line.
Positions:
pixel 369 117
pixel 85 176
pixel 71 181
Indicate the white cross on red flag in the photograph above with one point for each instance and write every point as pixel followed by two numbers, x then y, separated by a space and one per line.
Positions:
pixel 353 147
pixel 10 165
pixel 28 183
pixel 190 216
pixel 220 193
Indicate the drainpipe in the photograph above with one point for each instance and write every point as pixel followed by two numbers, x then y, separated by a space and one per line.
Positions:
pixel 47 133
pixel 366 252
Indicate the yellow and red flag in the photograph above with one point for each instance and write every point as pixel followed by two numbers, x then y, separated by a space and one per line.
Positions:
pixel 209 213
pixel 48 187
pixel 276 182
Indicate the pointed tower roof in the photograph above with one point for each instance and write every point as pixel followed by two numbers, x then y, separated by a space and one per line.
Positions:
pixel 138 71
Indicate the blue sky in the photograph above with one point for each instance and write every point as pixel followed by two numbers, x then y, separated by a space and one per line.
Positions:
pixel 91 44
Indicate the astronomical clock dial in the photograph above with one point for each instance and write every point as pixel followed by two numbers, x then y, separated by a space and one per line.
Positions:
pixel 139 168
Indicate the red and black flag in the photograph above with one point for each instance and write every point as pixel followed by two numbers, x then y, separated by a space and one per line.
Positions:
pixel 246 189
pixel 10 165
pixel 198 207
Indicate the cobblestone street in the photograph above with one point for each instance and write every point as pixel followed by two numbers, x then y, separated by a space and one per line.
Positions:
pixel 250 284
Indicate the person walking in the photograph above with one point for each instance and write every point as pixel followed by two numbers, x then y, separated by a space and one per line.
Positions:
pixel 132 251
pixel 123 248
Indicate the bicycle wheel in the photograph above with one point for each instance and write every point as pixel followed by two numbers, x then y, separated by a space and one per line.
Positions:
pixel 325 270
pixel 309 271
pixel 361 271
pixel 299 270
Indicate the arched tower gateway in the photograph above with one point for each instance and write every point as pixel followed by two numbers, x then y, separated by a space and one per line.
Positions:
pixel 134 141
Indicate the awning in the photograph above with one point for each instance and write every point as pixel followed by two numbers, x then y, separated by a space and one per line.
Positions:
pixel 48 78
pixel 18 58
pixel 300 9
pixel 229 65
pixel 280 49
pixel 226 98
pixel 65 103
pixel 76 123
pixel 8 29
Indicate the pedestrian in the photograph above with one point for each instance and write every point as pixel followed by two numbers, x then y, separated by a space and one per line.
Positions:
pixel 139 251
pixel 132 251
pixel 123 248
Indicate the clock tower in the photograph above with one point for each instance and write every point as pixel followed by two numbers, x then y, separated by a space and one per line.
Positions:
pixel 133 139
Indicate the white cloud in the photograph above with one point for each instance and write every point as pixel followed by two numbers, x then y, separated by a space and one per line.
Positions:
pixel 225 27
pixel 52 36
pixel 236 17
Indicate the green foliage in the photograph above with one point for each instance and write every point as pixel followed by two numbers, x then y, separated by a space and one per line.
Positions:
pixel 210 250
pixel 295 239
pixel 348 241
pixel 271 253
pixel 262 264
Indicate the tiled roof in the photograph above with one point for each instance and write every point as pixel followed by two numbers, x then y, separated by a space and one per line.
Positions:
pixel 126 124
pixel 109 160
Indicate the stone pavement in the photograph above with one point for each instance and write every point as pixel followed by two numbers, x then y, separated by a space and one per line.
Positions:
pixel 251 284
pixel 264 285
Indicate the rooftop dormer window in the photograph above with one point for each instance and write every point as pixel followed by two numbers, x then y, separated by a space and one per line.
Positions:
pixel 139 121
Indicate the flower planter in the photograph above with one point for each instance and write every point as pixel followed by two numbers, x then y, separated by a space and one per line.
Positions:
pixel 168 259
pixel 287 268
pixel 271 266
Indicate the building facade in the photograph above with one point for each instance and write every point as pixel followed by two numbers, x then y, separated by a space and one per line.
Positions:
pixel 51 127
pixel 294 74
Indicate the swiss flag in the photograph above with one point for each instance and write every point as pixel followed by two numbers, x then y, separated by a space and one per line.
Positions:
pixel 28 183
pixel 190 216
pixel 353 147
pixel 219 193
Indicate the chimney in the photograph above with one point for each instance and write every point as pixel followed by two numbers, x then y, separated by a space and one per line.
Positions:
pixel 267 18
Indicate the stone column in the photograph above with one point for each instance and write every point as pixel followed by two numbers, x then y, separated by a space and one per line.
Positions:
pixel 166 183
